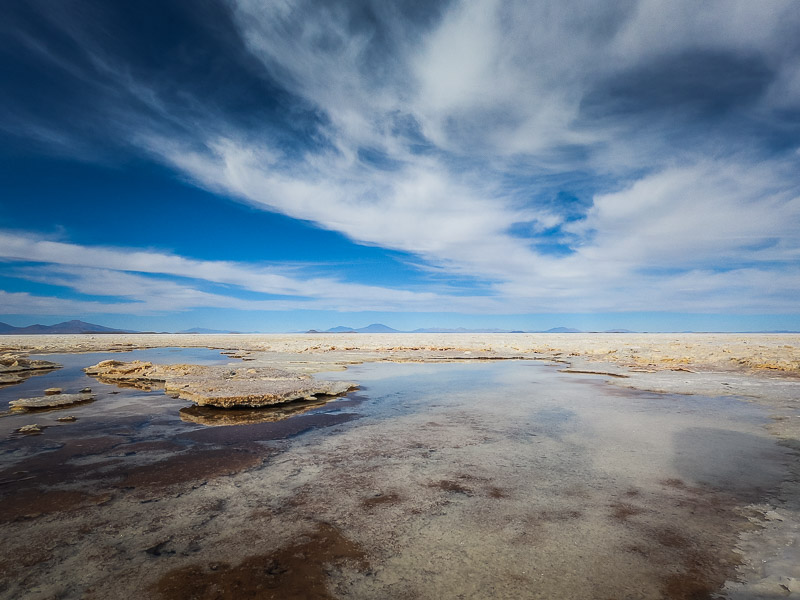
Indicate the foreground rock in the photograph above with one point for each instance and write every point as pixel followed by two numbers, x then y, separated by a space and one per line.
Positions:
pixel 49 401
pixel 15 368
pixel 220 386
pixel 32 429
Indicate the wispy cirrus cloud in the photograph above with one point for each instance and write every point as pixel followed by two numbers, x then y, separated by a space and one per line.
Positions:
pixel 137 278
pixel 449 131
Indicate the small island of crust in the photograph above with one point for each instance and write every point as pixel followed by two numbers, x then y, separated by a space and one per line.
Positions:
pixel 220 386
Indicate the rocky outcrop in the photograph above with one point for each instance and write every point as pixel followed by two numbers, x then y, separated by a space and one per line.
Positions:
pixel 49 401
pixel 15 368
pixel 220 386
pixel 32 429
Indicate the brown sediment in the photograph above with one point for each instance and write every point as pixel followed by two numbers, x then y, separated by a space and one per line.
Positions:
pixel 702 571
pixel 50 467
pixel 670 537
pixel 193 466
pixel 381 500
pixel 152 446
pixel 674 483
pixel 28 484
pixel 33 555
pixel 54 468
pixel 698 548
pixel 32 503
pixel 690 585
pixel 297 572
pixel 497 493
pixel 454 487
pixel 621 511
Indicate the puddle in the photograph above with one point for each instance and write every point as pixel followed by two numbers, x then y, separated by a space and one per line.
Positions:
pixel 494 479
pixel 72 378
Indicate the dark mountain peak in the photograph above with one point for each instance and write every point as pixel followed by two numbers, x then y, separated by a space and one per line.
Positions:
pixel 376 328
pixel 73 326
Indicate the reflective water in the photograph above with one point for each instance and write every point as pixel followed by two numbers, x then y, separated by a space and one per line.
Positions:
pixel 157 411
pixel 475 480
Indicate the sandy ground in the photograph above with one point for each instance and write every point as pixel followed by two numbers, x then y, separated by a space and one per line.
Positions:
pixel 459 487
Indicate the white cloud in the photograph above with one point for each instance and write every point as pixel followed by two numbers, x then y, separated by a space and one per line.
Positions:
pixel 704 214
pixel 23 303
pixel 420 208
pixel 691 214
pixel 128 273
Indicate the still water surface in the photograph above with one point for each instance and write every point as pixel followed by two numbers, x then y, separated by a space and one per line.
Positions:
pixel 503 479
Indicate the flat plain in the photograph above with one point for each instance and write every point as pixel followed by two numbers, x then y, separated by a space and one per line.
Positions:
pixel 504 465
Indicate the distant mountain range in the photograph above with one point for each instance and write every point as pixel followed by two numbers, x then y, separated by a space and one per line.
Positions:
pixel 374 328
pixel 204 330
pixel 76 326
pixel 381 328
pixel 73 326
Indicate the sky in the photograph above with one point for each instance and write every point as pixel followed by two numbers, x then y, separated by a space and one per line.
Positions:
pixel 285 165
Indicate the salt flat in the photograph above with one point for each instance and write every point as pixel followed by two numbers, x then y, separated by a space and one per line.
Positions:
pixel 502 465
pixel 726 351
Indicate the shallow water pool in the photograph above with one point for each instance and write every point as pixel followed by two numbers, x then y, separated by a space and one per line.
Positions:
pixel 502 479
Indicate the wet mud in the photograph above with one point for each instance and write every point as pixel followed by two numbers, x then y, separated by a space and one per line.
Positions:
pixel 32 503
pixel 193 466
pixel 297 572
pixel 46 483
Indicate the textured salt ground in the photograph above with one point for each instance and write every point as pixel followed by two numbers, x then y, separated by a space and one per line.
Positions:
pixel 219 386
pixel 16 368
pixel 502 480
pixel 778 353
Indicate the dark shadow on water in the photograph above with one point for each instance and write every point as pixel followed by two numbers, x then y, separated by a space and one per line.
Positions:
pixel 214 417
pixel 277 430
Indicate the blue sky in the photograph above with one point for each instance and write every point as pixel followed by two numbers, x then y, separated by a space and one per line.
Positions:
pixel 279 166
